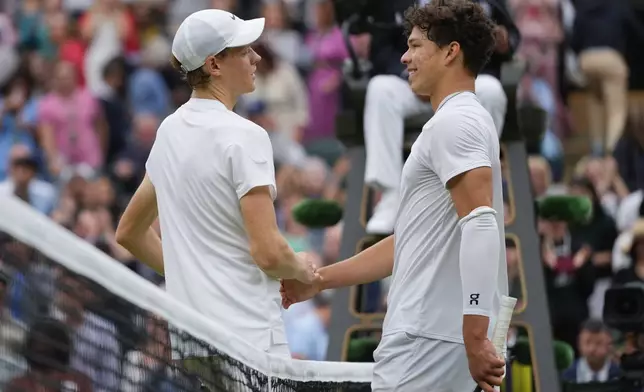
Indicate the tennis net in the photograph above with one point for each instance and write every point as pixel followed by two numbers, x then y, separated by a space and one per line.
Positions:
pixel 73 319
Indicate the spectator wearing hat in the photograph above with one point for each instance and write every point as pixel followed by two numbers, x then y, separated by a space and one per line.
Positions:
pixel 23 183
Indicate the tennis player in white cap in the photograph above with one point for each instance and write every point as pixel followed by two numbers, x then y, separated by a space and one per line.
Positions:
pixel 211 181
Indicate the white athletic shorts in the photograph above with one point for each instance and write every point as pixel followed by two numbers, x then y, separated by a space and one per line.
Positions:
pixel 409 363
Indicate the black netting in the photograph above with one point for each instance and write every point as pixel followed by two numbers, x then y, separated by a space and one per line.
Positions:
pixel 60 331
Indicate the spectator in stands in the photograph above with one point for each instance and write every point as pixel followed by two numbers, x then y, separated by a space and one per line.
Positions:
pixel 325 79
pixel 285 42
pixel 570 279
pixel 12 334
pixel 95 349
pixel 23 183
pixel 129 168
pixel 635 271
pixel 600 233
pixel 281 88
pixel 32 29
pixel 596 350
pixel 307 336
pixel 32 282
pixel 147 91
pixel 18 117
pixel 621 254
pixel 296 235
pixel 515 284
pixel 629 153
pixel 66 39
pixel 540 176
pixel 115 106
pixel 600 35
pixel 331 246
pixel 106 28
pixel 71 127
pixel 390 100
pixel 48 350
pixel 147 369
pixel 603 174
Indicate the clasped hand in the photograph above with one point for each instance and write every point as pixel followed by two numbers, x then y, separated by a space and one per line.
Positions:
pixel 304 286
pixel 486 367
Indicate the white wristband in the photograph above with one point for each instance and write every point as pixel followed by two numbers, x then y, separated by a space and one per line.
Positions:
pixel 479 261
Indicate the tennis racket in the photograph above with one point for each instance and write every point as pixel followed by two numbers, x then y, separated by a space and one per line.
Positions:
pixel 501 328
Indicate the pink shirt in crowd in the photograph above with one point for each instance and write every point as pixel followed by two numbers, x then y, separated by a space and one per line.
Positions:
pixel 73 121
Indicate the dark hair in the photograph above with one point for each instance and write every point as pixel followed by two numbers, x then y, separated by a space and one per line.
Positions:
pixel 586 184
pixel 595 326
pixel 462 21
pixel 197 77
pixel 21 76
pixel 48 345
pixel 117 65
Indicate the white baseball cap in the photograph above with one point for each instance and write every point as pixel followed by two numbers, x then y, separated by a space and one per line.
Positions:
pixel 209 32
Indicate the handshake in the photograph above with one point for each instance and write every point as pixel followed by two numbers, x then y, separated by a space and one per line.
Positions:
pixel 305 285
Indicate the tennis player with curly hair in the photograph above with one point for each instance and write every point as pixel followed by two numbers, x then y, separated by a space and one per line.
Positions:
pixel 448 270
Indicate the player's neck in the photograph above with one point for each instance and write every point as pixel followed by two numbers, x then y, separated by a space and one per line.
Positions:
pixel 216 93
pixel 449 86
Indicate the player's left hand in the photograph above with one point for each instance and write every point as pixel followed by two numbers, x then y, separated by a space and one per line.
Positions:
pixel 486 367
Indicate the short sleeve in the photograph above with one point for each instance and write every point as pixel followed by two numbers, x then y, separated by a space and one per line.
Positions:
pixel 458 147
pixel 251 164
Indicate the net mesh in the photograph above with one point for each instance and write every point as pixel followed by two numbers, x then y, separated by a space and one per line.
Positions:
pixel 73 319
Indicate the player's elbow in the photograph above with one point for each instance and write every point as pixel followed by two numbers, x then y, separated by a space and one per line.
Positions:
pixel 124 235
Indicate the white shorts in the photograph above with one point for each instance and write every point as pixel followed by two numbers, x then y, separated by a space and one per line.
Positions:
pixel 405 362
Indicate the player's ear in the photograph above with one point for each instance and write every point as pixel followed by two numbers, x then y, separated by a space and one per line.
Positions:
pixel 213 65
pixel 452 52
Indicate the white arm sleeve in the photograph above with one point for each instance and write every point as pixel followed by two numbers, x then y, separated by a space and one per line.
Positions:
pixel 479 261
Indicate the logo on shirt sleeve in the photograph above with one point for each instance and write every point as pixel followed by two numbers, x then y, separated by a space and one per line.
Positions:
pixel 474 299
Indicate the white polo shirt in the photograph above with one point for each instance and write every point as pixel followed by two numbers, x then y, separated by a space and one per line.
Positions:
pixel 204 159
pixel 425 297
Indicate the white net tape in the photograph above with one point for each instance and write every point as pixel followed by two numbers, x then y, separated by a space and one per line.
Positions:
pixel 30 227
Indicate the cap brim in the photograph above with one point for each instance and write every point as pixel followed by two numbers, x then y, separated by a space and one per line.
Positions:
pixel 249 32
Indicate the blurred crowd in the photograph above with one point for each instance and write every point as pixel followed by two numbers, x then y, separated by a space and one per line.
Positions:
pixel 84 85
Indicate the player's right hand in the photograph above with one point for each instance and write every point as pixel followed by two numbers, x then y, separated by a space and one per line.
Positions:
pixel 294 291
pixel 486 367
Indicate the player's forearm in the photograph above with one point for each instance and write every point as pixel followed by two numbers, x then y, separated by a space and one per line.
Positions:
pixel 370 265
pixel 479 267
pixel 145 247
pixel 278 260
